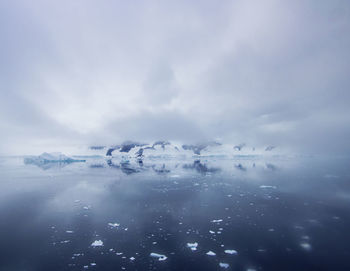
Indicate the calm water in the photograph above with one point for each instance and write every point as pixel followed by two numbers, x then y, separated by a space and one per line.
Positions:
pixel 276 213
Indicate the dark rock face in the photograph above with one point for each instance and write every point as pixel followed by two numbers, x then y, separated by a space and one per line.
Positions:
pixel 139 153
pixel 97 147
pixel 112 149
pixel 125 147
pixel 239 147
pixel 269 148
pixel 197 148
pixel 128 145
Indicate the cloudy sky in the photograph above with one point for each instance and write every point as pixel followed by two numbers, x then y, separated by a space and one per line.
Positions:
pixel 261 72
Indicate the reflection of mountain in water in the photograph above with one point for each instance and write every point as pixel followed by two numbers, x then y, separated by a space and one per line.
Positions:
pixel 240 167
pixel 201 168
pixel 161 170
pixel 47 165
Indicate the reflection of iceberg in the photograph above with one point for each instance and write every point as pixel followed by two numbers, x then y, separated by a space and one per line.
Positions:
pixel 49 160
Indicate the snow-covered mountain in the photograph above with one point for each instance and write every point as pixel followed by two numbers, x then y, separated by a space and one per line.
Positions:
pixel 163 148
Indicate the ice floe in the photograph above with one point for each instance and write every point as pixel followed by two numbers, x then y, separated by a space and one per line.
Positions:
pixel 192 246
pixel 224 265
pixel 268 186
pixel 217 220
pixel 97 243
pixel 113 225
pixel 305 246
pixel 231 251
pixel 159 256
pixel 211 253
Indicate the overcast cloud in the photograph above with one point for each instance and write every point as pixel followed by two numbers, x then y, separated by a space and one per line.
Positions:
pixel 261 72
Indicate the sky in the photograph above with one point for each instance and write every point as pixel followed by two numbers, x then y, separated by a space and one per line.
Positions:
pixel 99 72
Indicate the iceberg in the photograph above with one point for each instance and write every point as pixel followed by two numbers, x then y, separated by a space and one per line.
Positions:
pixel 45 159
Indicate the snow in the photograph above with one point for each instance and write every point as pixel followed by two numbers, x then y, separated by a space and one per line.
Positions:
pixel 192 246
pixel 231 251
pixel 211 253
pixel 97 243
pixel 159 256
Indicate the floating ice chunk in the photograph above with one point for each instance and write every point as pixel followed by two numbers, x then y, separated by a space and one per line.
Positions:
pixel 212 232
pixel 69 231
pixel 251 269
pixel 119 253
pixel 113 225
pixel 224 265
pixel 93 264
pixel 231 251
pixel 97 243
pixel 175 176
pixel 268 186
pixel 217 220
pixel 306 246
pixel 132 258
pixel 192 246
pixel 211 253
pixel 65 241
pixel 159 256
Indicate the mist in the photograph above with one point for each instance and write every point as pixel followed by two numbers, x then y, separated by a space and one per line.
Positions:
pixel 101 72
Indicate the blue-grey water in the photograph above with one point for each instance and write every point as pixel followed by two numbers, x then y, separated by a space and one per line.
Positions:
pixel 273 213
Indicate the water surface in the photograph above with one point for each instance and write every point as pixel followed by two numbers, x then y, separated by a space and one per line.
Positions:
pixel 277 213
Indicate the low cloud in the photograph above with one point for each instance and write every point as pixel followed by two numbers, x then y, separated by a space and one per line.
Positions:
pixel 87 72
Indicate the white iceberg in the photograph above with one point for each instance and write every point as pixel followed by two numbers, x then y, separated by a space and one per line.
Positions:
pixel 48 160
